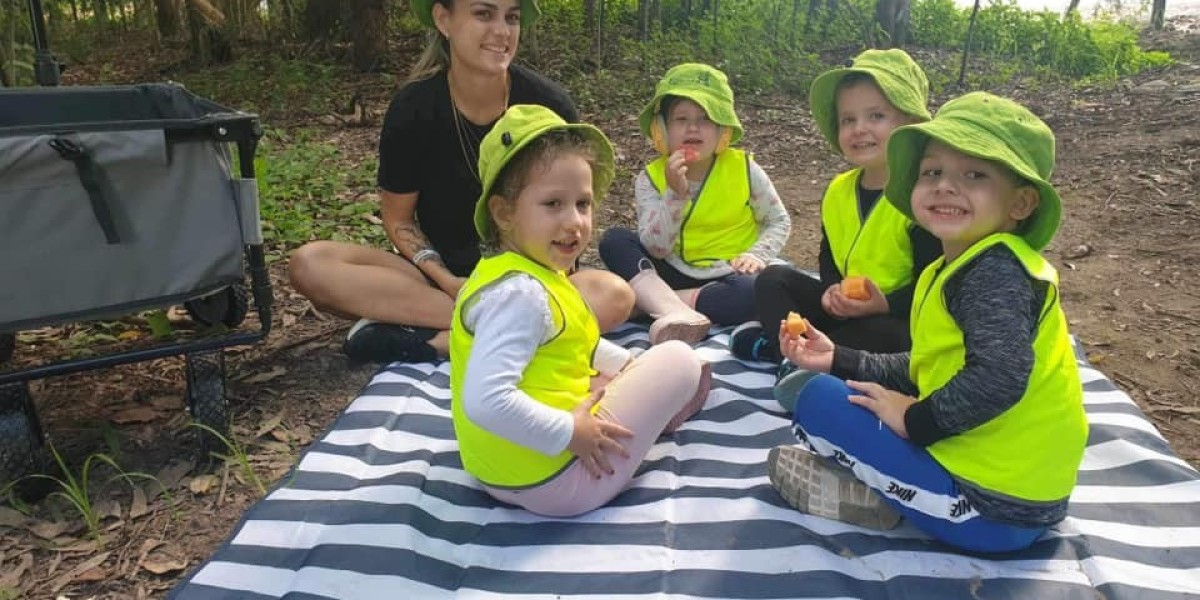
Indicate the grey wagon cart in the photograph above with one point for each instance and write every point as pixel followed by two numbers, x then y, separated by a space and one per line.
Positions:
pixel 115 200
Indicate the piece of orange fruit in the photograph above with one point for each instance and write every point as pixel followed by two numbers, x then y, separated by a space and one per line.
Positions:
pixel 855 288
pixel 690 154
pixel 795 324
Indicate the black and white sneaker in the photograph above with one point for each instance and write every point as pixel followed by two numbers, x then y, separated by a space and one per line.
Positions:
pixel 375 341
pixel 810 485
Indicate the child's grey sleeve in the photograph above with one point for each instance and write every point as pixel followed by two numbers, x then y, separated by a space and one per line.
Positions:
pixel 996 305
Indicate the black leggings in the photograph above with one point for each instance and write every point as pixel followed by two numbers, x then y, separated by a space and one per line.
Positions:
pixel 781 289
pixel 728 300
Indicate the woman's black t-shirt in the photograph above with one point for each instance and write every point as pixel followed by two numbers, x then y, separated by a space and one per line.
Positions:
pixel 420 151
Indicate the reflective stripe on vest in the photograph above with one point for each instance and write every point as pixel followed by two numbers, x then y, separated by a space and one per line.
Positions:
pixel 718 224
pixel 558 375
pixel 876 246
pixel 1031 451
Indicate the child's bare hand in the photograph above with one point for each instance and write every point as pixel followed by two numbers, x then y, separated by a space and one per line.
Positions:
pixel 811 350
pixel 747 264
pixel 677 173
pixel 888 405
pixel 595 439
pixel 838 304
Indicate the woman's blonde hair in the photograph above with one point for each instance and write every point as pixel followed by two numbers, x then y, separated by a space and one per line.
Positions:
pixel 436 57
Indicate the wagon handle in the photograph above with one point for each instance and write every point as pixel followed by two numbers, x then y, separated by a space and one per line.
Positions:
pixel 91 177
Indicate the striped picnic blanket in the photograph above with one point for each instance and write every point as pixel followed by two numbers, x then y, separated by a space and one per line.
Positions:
pixel 380 507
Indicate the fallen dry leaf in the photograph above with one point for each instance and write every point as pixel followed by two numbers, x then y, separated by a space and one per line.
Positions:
pixel 11 576
pixel 269 425
pixel 137 414
pixel 138 505
pixel 265 376
pixel 12 518
pixel 201 484
pixel 170 476
pixel 47 530
pixel 79 569
pixel 160 558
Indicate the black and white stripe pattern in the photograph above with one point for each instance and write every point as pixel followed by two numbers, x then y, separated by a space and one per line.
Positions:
pixel 381 508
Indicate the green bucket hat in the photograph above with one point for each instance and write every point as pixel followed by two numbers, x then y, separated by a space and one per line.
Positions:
pixel 520 125
pixel 988 127
pixel 894 71
pixel 424 11
pixel 701 84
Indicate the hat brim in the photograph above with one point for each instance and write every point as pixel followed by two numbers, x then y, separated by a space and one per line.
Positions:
pixel 822 99
pixel 713 107
pixel 603 169
pixel 907 145
pixel 424 11
pixel 823 103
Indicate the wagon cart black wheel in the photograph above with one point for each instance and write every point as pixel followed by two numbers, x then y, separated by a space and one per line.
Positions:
pixel 206 400
pixel 8 344
pixel 226 305
pixel 22 446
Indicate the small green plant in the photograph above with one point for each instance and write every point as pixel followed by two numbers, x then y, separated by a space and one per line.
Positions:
pixel 310 191
pixel 76 490
pixel 236 455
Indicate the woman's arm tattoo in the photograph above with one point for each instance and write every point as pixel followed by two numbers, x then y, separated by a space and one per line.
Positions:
pixel 409 239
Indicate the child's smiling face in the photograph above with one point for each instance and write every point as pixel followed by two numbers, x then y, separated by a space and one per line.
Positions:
pixel 865 120
pixel 688 126
pixel 551 220
pixel 962 199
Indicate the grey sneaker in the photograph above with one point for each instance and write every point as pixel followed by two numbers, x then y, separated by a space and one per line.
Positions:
pixel 790 379
pixel 811 486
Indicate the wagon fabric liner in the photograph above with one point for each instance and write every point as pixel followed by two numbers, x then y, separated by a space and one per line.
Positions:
pixel 380 507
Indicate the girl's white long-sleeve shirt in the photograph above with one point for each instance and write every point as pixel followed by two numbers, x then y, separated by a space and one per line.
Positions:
pixel 510 319
pixel 660 216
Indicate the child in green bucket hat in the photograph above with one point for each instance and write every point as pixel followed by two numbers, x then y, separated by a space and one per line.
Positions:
pixel 978 433
pixel 709 218
pixel 403 294
pixel 870 254
pixel 532 425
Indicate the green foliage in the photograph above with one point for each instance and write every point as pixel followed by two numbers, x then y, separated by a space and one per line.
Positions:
pixel 235 456
pixel 77 491
pixel 1042 42
pixel 307 192
pixel 271 85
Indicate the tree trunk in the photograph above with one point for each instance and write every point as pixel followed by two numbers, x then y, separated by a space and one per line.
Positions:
pixel 166 17
pixel 321 20
pixel 599 34
pixel 369 32
pixel 892 18
pixel 589 14
pixel 962 70
pixel 209 39
pixel 100 9
pixel 1072 7
pixel 643 20
pixel 1158 14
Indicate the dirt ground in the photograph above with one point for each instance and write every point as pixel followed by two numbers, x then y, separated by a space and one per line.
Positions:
pixel 1128 170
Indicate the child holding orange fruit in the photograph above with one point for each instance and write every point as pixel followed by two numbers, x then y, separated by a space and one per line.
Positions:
pixel 976 435
pixel 709 219
pixel 871 254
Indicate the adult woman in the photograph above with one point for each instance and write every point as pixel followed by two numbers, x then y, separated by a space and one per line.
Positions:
pixel 428 184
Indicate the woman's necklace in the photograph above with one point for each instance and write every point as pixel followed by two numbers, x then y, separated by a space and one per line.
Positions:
pixel 468 141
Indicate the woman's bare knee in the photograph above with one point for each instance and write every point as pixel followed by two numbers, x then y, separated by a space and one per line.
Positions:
pixel 610 297
pixel 307 264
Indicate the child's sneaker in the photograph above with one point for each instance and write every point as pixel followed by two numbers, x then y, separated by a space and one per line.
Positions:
pixel 748 343
pixel 811 486
pixel 374 341
pixel 789 380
